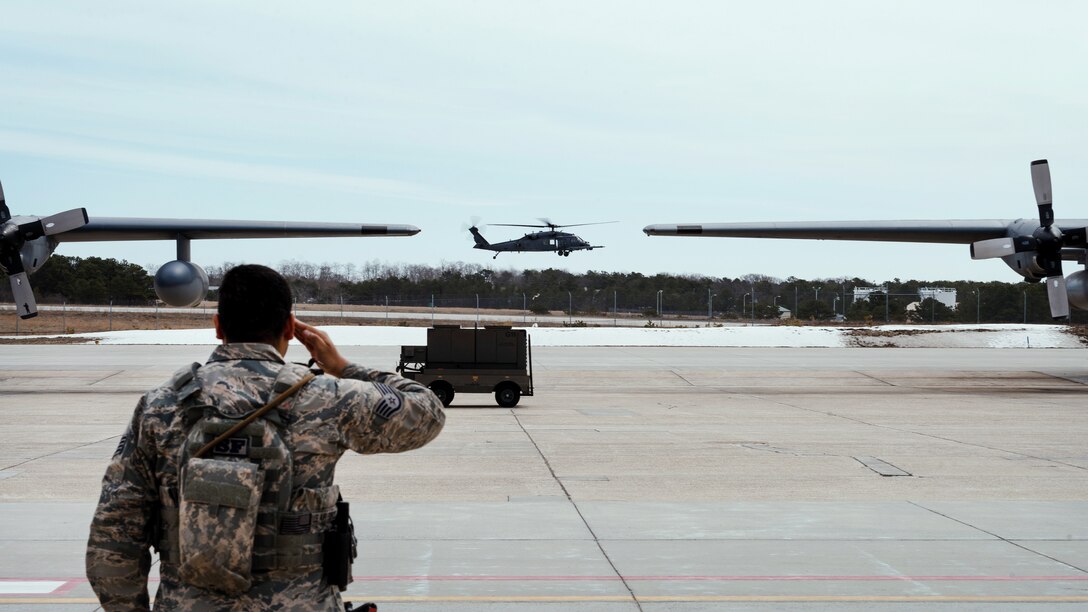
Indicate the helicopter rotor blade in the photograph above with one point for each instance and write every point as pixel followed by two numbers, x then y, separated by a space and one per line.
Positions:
pixel 585 224
pixel 551 225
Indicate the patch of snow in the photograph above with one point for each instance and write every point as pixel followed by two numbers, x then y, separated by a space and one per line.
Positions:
pixel 935 336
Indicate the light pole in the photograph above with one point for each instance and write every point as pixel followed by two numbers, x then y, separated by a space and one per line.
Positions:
pixel 660 316
pixel 743 302
pixel 570 308
pixel 709 306
pixel 835 306
pixel 477 310
pixel 978 306
pixel 817 314
pixel 774 303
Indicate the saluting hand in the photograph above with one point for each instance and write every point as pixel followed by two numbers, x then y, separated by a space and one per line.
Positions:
pixel 322 350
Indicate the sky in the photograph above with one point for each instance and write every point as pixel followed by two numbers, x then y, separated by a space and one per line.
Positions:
pixel 439 113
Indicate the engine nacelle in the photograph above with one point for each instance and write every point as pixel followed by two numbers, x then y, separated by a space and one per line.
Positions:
pixel 1026 264
pixel 181 283
pixel 1076 284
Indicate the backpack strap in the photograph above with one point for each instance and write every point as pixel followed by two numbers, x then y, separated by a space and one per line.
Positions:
pixel 276 401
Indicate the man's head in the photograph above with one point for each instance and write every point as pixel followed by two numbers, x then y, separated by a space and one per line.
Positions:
pixel 254 306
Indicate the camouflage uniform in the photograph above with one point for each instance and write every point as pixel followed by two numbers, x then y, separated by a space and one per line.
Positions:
pixel 365 410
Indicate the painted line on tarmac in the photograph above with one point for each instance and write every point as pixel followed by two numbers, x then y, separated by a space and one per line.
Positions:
pixel 58 586
pixel 648 599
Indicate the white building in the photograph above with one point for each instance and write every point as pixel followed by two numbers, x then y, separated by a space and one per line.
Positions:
pixel 943 295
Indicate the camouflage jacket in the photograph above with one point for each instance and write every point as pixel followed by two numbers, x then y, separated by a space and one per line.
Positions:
pixel 366 411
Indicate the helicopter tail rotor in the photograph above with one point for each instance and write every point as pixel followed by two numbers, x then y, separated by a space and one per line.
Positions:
pixel 481 242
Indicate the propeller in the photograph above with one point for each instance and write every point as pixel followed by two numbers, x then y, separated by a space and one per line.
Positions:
pixel 16 232
pixel 1046 242
pixel 1050 241
pixel 474 221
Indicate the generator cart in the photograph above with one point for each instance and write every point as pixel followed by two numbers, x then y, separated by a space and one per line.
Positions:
pixel 496 359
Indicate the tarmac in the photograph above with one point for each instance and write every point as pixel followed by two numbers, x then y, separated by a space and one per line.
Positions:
pixel 688 479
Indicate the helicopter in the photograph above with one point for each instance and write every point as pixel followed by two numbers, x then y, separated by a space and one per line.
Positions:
pixel 561 243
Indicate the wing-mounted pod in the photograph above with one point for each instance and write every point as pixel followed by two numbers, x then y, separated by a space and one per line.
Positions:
pixel 181 283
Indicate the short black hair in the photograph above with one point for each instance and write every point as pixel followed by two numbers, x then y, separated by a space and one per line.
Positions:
pixel 254 304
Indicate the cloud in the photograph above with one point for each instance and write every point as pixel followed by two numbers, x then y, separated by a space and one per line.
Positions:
pixel 183 165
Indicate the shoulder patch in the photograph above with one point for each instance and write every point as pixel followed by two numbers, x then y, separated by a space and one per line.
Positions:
pixel 126 444
pixel 390 403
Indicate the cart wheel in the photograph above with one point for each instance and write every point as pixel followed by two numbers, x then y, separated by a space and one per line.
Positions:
pixel 444 391
pixel 507 395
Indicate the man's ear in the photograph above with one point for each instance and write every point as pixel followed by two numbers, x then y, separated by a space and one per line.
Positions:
pixel 289 328
pixel 218 327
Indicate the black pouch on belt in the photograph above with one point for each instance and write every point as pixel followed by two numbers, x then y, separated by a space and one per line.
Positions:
pixel 340 548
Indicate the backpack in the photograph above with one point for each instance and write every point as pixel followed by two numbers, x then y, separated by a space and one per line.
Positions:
pixel 235 485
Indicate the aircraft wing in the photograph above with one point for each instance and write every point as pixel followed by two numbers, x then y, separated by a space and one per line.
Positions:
pixel 938 231
pixel 135 228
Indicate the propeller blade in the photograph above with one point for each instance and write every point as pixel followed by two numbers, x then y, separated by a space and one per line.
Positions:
pixel 54 224
pixel 515 225
pixel 65 221
pixel 24 295
pixel 989 249
pixel 1058 296
pixel 5 214
pixel 1040 180
pixel 1000 247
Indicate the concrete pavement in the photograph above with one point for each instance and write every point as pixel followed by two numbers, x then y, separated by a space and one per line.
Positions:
pixel 643 479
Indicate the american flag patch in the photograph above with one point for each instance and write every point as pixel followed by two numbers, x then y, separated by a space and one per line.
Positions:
pixel 121 445
pixel 390 403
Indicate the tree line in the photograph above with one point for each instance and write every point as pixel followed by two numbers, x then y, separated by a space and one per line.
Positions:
pixel 94 280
